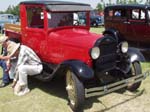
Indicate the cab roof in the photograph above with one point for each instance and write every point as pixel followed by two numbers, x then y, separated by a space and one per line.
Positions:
pixel 60 5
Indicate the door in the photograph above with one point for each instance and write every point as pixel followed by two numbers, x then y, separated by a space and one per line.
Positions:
pixel 120 20
pixel 136 25
pixel 116 18
pixel 147 40
pixel 34 34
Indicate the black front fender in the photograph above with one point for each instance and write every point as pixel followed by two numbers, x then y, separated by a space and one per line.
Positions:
pixel 135 55
pixel 81 70
pixel 114 33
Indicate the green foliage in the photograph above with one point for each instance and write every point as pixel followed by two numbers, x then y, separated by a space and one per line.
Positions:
pixel 128 1
pixel 132 2
pixel 109 3
pixel 11 10
pixel 147 2
pixel 100 7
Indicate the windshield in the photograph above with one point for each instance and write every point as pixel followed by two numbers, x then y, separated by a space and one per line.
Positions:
pixel 66 19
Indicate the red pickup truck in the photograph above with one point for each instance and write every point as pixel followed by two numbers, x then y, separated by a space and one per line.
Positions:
pixel 92 64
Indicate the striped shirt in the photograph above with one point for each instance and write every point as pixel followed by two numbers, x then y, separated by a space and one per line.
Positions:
pixel 27 56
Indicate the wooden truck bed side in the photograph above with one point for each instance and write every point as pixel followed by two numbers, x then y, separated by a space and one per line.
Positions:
pixel 13 30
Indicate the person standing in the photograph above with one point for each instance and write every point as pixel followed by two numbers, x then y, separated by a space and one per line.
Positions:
pixel 3 58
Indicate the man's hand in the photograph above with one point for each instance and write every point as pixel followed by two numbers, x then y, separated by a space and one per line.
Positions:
pixel 4 57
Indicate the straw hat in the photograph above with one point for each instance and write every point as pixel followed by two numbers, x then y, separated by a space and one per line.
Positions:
pixel 12 48
pixel 3 38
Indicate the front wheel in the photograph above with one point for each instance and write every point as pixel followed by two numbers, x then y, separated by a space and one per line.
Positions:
pixel 135 70
pixel 75 90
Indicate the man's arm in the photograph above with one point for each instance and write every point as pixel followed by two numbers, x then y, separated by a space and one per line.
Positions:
pixel 4 57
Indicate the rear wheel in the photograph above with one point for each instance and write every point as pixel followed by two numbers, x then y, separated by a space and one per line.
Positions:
pixel 135 70
pixel 75 90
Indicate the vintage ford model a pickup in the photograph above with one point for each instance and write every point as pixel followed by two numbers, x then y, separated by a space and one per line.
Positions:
pixel 92 64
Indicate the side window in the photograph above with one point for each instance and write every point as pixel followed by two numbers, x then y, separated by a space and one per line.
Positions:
pixel 35 17
pixel 142 16
pixel 116 13
pixel 135 14
pixel 149 14
pixel 120 13
pixel 110 13
pixel 10 17
pixel 138 14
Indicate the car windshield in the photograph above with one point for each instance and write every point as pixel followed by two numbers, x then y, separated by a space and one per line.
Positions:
pixel 66 19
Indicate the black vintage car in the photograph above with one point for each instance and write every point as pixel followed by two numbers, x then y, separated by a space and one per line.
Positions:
pixel 95 20
pixel 130 23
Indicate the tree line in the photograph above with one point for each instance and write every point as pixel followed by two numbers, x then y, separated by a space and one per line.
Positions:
pixel 11 10
pixel 100 6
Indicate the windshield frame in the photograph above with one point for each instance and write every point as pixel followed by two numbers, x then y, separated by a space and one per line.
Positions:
pixel 87 16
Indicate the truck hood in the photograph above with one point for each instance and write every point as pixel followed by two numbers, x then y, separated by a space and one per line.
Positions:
pixel 76 37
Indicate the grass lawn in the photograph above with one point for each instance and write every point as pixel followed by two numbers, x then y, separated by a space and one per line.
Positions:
pixel 97 30
pixel 51 97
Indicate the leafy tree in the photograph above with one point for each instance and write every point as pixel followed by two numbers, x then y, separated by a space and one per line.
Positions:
pixel 117 2
pixel 129 1
pixel 109 2
pixel 124 1
pixel 1 12
pixel 11 10
pixel 100 7
pixel 147 2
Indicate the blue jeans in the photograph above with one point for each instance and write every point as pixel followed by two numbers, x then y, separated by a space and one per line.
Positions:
pixel 5 73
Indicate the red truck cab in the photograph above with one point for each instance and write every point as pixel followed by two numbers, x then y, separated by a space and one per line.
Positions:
pixel 92 64
pixel 55 29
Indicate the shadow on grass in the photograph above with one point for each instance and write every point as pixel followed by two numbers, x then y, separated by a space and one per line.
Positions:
pixel 57 88
pixel 54 87
pixel 95 100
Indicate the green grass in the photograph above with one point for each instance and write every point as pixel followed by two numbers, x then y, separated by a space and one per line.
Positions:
pixel 97 30
pixel 51 96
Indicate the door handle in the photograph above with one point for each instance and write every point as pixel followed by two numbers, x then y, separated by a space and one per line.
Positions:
pixel 126 22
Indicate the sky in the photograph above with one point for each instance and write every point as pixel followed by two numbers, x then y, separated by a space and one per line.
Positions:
pixel 5 3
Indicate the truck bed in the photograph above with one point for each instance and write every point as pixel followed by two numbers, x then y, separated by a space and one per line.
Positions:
pixel 13 30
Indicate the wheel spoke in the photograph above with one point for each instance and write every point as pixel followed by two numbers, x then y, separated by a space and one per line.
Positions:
pixel 70 87
pixel 72 102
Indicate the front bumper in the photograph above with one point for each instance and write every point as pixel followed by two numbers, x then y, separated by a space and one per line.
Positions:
pixel 99 91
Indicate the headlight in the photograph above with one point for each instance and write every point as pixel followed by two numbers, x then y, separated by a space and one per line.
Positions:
pixel 95 52
pixel 124 47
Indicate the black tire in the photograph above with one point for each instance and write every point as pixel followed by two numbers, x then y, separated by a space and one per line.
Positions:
pixel 135 70
pixel 95 24
pixel 75 91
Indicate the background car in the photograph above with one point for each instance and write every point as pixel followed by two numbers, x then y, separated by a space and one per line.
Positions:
pixel 130 23
pixel 6 18
pixel 95 20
